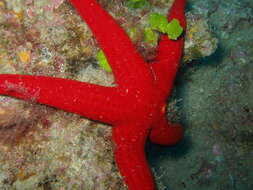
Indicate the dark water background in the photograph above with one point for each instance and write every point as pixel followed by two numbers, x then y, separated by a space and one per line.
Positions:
pixel 215 103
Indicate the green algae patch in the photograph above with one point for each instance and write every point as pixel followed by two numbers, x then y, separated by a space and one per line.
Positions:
pixel 137 4
pixel 150 36
pixel 160 23
pixel 103 63
pixel 174 29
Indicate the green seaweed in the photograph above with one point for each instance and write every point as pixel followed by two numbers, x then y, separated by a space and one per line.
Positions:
pixel 136 4
pixel 174 29
pixel 150 36
pixel 160 23
pixel 103 63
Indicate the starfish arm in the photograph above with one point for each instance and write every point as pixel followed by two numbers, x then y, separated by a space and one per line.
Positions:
pixel 165 133
pixel 89 100
pixel 129 68
pixel 170 51
pixel 130 157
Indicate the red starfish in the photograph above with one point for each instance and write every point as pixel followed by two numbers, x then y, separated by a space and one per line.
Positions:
pixel 135 107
